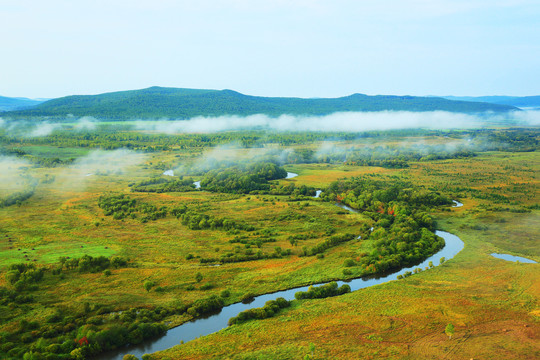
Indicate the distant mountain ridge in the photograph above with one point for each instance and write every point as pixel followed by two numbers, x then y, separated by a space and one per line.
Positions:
pixel 9 103
pixel 177 103
pixel 517 101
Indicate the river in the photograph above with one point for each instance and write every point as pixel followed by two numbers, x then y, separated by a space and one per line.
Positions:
pixel 205 326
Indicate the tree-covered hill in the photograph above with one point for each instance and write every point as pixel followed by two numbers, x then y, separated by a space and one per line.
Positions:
pixel 9 103
pixel 517 101
pixel 174 103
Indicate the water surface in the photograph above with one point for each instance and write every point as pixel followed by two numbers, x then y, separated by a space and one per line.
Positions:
pixel 290 175
pixel 513 258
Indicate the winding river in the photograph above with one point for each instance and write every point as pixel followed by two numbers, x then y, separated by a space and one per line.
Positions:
pixel 213 323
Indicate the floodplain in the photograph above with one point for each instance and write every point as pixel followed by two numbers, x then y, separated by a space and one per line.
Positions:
pixel 101 250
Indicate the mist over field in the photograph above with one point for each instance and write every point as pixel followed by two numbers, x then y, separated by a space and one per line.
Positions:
pixel 342 122
pixel 13 174
pixel 339 122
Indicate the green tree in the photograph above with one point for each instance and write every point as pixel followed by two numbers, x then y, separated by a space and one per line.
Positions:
pixel 148 285
pixel 449 330
pixel 312 349
pixel 198 277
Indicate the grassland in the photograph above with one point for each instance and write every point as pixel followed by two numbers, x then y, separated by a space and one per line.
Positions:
pixel 493 304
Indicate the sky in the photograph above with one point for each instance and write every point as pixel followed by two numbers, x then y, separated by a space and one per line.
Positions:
pixel 300 48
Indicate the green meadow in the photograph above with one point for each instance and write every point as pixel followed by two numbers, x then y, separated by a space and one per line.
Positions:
pixel 74 268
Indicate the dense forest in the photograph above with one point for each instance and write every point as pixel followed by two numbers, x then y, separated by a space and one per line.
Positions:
pixel 402 233
pixel 159 102
pixel 468 143
pixel 242 178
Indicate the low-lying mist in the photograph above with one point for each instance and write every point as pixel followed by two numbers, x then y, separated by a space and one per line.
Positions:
pixel 31 129
pixel 18 174
pixel 338 122
pixel 78 175
pixel 14 175
pixel 342 122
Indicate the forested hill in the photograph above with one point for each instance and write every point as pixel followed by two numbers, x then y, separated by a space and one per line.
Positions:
pixel 9 103
pixel 159 102
pixel 518 101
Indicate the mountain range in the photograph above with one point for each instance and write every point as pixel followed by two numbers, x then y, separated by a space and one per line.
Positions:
pixel 523 102
pixel 178 103
pixel 9 103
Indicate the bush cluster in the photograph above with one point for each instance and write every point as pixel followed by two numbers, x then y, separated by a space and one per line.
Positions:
pixel 271 308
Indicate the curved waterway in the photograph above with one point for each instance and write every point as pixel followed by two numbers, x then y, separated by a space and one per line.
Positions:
pixel 457 203
pixel 213 323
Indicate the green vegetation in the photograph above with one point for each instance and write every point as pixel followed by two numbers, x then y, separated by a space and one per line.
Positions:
pixel 449 330
pixel 17 198
pixel 160 185
pixel 402 232
pixel 323 291
pixel 92 263
pixel 159 102
pixel 122 206
pixel 270 309
pixel 242 179
pixel 8 103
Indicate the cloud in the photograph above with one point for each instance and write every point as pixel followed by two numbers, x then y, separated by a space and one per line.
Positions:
pixel 86 123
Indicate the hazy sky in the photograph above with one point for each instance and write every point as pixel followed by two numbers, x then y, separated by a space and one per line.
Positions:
pixel 305 48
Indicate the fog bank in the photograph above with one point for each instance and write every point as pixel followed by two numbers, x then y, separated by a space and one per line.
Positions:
pixel 341 122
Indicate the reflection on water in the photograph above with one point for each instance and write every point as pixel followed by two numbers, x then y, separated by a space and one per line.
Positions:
pixel 290 175
pixel 343 206
pixel 508 257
